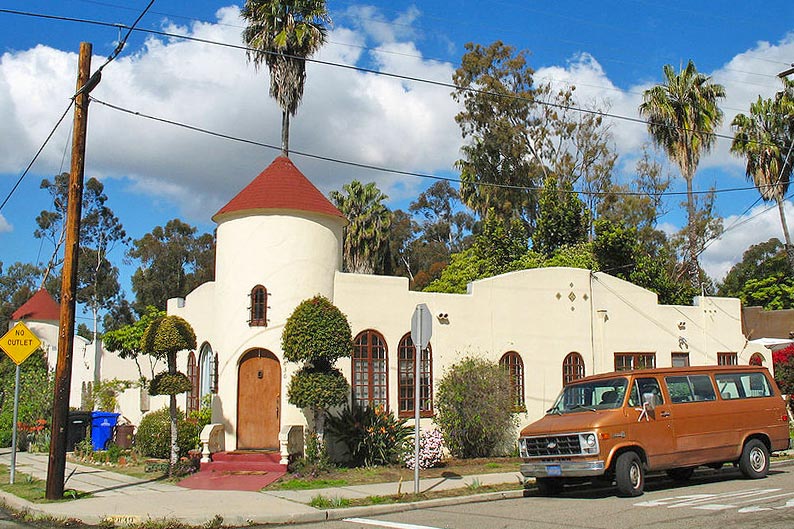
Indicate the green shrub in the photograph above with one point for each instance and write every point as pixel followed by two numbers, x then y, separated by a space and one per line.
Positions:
pixel 35 396
pixel 372 436
pixel 153 438
pixel 313 387
pixel 316 330
pixel 475 409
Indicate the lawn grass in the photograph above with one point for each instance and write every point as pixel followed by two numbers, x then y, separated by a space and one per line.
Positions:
pixel 450 469
pixel 32 489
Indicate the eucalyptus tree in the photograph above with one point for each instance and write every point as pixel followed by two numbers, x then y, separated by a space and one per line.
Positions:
pixel 283 34
pixel 682 114
pixel 764 139
pixel 366 237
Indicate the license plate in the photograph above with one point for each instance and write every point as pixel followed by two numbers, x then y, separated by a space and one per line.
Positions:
pixel 553 470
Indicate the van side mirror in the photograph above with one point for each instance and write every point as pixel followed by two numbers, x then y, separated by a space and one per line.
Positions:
pixel 649 401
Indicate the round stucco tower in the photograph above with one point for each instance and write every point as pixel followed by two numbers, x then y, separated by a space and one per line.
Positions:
pixel 280 233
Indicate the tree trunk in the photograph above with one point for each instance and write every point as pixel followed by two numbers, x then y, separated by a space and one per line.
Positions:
pixel 172 413
pixel 285 134
pixel 786 236
pixel 693 267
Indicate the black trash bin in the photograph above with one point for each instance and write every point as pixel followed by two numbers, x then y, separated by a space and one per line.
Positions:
pixel 78 427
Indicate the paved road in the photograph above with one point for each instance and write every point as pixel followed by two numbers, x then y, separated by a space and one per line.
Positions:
pixel 711 500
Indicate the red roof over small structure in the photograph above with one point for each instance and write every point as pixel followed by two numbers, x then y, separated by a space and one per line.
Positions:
pixel 40 307
pixel 280 186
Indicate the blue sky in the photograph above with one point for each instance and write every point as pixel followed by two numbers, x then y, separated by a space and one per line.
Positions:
pixel 611 50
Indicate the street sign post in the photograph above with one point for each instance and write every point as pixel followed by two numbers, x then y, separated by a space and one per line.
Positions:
pixel 18 344
pixel 421 330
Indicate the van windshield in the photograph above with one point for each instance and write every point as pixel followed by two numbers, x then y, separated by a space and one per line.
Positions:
pixel 592 396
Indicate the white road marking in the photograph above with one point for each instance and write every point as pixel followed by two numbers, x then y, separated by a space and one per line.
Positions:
pixel 392 525
pixel 713 502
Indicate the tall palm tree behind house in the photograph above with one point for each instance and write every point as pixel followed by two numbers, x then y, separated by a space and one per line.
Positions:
pixel 682 116
pixel 282 34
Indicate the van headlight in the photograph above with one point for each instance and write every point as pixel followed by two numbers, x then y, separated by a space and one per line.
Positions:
pixel 589 443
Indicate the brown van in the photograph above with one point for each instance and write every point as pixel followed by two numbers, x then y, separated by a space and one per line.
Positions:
pixel 618 426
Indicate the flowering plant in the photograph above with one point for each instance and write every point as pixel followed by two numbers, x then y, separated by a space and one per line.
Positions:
pixel 373 436
pixel 431 450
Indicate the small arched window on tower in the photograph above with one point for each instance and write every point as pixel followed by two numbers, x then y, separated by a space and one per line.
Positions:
pixel 258 307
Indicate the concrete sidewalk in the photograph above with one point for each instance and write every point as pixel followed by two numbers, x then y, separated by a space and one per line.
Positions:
pixel 125 499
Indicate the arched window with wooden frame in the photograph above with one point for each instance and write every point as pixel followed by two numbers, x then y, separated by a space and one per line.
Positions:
pixel 208 371
pixel 193 377
pixel 258 307
pixel 370 370
pixel 572 368
pixel 406 369
pixel 512 363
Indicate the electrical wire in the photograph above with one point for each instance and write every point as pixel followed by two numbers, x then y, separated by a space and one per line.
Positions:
pixel 43 145
pixel 395 171
pixel 94 78
pixel 391 75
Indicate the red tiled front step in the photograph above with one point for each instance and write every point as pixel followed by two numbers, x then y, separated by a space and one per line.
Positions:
pixel 237 471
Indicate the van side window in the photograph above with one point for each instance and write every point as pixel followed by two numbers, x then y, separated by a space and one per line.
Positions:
pixel 690 388
pixel 642 386
pixel 743 385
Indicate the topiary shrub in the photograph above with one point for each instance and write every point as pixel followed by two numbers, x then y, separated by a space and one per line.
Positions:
pixel 313 387
pixel 372 436
pixel 166 383
pixel 475 409
pixel 316 331
pixel 153 437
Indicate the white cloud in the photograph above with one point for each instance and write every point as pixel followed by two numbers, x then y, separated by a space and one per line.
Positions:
pixel 742 231
pixel 4 225
pixel 345 114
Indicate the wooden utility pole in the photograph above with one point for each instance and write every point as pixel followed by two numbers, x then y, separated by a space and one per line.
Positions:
pixel 56 469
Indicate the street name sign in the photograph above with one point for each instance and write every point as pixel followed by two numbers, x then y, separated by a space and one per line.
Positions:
pixel 19 343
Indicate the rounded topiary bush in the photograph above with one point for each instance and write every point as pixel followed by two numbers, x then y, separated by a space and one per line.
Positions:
pixel 153 438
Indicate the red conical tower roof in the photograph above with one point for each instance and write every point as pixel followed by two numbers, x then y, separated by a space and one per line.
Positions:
pixel 39 307
pixel 280 186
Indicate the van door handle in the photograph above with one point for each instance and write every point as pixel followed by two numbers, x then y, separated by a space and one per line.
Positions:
pixel 665 414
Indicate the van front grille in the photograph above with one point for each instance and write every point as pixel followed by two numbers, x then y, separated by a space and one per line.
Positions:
pixel 553 445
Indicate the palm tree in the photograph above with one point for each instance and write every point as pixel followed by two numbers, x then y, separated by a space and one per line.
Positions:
pixel 282 34
pixel 764 139
pixel 682 115
pixel 367 234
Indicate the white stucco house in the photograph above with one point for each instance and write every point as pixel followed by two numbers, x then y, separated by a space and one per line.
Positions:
pixel 279 242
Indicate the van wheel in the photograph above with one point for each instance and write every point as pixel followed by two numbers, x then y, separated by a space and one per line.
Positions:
pixel 681 474
pixel 549 486
pixel 754 461
pixel 629 474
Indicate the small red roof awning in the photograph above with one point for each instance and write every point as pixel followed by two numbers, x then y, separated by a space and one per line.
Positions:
pixel 280 186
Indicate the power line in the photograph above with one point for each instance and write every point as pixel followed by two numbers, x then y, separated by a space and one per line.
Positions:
pixel 46 141
pixel 402 172
pixel 92 81
pixel 361 69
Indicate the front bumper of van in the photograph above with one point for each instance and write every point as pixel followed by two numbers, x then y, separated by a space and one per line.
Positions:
pixel 562 469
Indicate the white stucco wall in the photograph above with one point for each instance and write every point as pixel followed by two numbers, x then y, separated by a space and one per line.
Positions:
pixel 295 256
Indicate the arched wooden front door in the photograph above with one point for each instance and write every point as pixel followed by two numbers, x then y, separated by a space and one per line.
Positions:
pixel 258 401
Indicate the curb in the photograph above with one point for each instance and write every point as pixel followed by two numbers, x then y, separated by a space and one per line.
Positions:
pixel 371 510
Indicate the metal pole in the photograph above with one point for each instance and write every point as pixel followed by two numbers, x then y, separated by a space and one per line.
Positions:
pixel 14 430
pixel 417 403
pixel 56 468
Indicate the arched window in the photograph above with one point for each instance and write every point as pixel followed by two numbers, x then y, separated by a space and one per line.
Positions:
pixel 407 369
pixel 370 368
pixel 757 359
pixel 208 364
pixel 193 377
pixel 572 368
pixel 511 361
pixel 258 307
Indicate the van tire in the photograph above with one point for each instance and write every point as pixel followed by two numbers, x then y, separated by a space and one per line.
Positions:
pixel 549 486
pixel 629 474
pixel 681 474
pixel 754 461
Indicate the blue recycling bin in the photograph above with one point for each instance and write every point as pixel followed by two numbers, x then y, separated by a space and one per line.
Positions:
pixel 102 424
